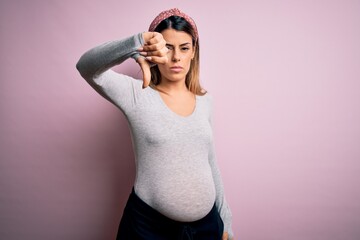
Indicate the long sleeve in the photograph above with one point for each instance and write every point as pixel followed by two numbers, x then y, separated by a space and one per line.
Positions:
pixel 94 66
pixel 221 203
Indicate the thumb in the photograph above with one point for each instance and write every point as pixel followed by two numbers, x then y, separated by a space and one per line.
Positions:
pixel 145 68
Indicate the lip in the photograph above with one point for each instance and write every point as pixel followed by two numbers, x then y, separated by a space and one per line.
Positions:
pixel 176 68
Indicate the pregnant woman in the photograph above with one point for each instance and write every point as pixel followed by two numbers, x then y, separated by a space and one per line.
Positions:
pixel 178 191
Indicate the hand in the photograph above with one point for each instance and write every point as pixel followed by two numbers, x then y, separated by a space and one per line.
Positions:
pixel 154 51
pixel 226 236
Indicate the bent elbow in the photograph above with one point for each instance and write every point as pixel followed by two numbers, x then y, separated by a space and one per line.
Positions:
pixel 80 66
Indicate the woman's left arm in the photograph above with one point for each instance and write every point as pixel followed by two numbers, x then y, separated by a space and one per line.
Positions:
pixel 221 203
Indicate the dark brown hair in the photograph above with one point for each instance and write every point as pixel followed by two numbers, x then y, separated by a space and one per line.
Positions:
pixel 192 80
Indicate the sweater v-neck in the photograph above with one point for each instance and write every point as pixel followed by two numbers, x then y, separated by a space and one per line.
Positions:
pixel 172 112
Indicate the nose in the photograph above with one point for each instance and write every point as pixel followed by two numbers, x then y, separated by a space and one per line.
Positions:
pixel 175 56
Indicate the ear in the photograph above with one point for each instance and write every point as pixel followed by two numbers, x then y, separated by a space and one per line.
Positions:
pixel 193 52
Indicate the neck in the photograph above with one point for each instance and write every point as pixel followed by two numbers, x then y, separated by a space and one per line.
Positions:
pixel 171 87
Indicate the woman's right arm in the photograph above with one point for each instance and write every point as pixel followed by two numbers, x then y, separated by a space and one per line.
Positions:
pixel 94 65
pixel 101 58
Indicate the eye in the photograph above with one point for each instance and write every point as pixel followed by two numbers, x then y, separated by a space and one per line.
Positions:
pixel 169 47
pixel 185 48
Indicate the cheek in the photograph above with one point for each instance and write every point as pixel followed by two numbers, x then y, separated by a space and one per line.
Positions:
pixel 187 62
pixel 162 67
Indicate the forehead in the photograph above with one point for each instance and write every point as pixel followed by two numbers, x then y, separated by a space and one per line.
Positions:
pixel 175 37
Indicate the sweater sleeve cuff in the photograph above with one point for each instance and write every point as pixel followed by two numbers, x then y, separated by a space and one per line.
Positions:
pixel 139 41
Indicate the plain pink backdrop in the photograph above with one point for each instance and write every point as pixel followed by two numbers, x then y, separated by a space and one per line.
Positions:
pixel 285 76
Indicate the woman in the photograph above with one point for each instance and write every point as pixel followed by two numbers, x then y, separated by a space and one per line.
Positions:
pixel 178 192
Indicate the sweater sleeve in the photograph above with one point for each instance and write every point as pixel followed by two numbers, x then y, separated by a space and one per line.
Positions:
pixel 94 66
pixel 221 203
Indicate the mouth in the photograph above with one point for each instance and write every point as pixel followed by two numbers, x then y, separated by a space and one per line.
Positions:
pixel 176 69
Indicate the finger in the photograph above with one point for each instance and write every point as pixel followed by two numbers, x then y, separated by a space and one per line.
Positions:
pixel 154 38
pixel 145 68
pixel 162 52
pixel 158 60
pixel 153 47
pixel 147 36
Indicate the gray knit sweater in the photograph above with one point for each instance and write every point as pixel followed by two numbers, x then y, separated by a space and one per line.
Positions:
pixel 176 171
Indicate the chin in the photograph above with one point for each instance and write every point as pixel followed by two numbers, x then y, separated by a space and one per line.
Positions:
pixel 175 77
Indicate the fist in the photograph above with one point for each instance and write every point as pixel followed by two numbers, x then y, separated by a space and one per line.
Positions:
pixel 154 51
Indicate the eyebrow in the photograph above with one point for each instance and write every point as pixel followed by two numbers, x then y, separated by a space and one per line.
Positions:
pixel 181 45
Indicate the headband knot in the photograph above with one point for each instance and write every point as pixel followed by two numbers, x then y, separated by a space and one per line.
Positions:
pixel 173 12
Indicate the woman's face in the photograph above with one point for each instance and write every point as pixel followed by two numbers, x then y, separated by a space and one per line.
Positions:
pixel 181 51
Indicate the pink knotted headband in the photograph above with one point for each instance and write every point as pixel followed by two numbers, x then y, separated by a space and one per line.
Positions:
pixel 173 12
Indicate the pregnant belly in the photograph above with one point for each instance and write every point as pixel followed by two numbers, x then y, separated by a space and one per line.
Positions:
pixel 183 194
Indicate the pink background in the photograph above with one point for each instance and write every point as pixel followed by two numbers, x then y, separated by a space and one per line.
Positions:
pixel 285 76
